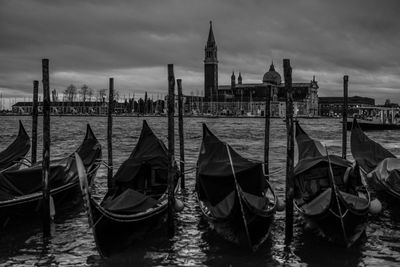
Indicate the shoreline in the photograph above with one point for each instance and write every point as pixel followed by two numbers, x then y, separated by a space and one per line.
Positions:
pixel 157 116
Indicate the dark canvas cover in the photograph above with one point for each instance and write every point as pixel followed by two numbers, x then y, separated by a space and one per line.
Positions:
pixel 21 182
pixel 311 153
pixel 149 154
pixel 16 150
pixel 365 151
pixel 215 180
pixel 129 201
pixel 148 151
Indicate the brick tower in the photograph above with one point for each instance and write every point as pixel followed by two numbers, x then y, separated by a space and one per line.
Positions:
pixel 210 68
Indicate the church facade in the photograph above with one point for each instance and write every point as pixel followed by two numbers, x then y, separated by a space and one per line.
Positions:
pixel 240 98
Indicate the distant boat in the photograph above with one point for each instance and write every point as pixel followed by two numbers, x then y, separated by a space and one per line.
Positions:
pixel 376 118
pixel 233 193
pixel 11 156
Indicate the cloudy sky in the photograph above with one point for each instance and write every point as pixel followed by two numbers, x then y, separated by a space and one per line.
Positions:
pixel 133 41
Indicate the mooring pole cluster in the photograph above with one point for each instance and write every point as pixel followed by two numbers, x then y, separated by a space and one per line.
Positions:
pixel 287 69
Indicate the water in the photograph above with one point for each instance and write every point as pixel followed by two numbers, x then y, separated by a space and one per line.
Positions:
pixel 194 244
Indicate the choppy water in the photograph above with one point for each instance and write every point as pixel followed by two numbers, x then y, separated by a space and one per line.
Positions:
pixel 72 242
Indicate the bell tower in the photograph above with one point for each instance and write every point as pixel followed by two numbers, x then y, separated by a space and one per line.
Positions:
pixel 210 68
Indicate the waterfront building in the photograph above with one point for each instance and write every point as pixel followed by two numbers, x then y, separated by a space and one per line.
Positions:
pixel 333 106
pixel 238 98
pixel 69 107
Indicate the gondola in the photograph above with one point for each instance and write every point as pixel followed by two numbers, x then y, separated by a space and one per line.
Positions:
pixel 21 190
pixel 379 167
pixel 137 202
pixel 329 193
pixel 16 151
pixel 233 193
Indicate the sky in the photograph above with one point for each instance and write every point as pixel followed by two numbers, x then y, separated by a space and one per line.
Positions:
pixel 87 42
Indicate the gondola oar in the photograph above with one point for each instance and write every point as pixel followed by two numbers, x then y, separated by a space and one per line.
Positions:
pixel 334 189
pixel 240 198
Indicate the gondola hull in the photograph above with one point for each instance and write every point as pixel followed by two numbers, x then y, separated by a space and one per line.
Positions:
pixel 11 156
pixel 115 233
pixel 233 229
pixel 370 155
pixel 383 190
pixel 329 192
pixel 21 190
pixel 64 198
pixel 137 203
pixel 329 225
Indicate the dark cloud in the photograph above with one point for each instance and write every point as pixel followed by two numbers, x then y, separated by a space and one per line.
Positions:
pixel 133 41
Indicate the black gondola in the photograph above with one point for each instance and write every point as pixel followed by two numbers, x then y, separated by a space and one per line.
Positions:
pixel 379 167
pixel 16 151
pixel 233 193
pixel 137 203
pixel 21 190
pixel 329 193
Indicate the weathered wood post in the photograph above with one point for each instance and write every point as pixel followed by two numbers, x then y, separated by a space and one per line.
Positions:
pixel 267 113
pixel 290 151
pixel 171 149
pixel 181 137
pixel 34 120
pixel 109 132
pixel 46 148
pixel 344 114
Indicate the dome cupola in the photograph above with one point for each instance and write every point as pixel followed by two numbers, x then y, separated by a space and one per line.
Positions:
pixel 272 76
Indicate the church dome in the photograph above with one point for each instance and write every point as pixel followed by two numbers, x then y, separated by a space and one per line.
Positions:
pixel 272 76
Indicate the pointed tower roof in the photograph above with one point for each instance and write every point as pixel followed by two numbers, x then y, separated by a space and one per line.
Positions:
pixel 211 38
pixel 272 67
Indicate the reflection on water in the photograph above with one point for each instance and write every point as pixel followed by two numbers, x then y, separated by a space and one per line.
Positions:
pixel 72 241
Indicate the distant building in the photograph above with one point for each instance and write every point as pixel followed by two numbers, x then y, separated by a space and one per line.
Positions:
pixel 78 107
pixel 333 106
pixel 250 98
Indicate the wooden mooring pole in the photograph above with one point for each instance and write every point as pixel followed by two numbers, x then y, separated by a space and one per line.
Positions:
pixel 290 151
pixel 267 113
pixel 34 121
pixel 171 149
pixel 181 137
pixel 109 132
pixel 46 148
pixel 344 114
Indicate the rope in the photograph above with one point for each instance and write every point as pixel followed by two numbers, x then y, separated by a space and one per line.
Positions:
pixel 336 196
pixel 239 196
